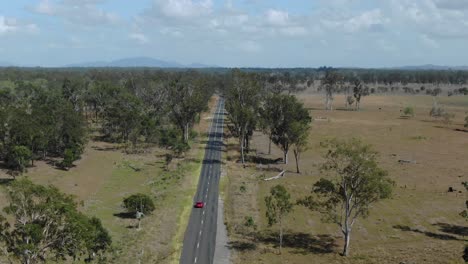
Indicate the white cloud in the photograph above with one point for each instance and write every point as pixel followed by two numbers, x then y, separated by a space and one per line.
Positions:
pixel 250 46
pixel 434 18
pixel 429 42
pixel 11 25
pixel 81 12
pixel 171 32
pixel 6 26
pixel 371 20
pixel 366 21
pixel 294 31
pixel 452 4
pixel 277 17
pixel 386 45
pixel 45 7
pixel 183 8
pixel 139 37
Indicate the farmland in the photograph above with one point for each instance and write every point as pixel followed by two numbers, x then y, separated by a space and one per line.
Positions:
pixel 420 223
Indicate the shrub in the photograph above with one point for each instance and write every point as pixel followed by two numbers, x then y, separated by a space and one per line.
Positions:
pixel 408 111
pixel 168 160
pixel 139 203
pixel 18 157
pixel 180 148
pixel 350 100
pixel 447 118
pixel 436 110
pixel 243 189
pixel 249 222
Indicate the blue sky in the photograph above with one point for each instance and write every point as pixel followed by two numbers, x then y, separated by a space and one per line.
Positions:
pixel 236 33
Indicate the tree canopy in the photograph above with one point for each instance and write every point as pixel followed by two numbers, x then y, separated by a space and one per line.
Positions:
pixel 354 184
pixel 47 225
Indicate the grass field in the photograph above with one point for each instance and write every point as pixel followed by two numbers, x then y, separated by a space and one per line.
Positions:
pixel 105 175
pixel 420 224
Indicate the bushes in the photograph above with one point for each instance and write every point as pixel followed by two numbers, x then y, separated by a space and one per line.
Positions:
pixel 69 156
pixel 408 111
pixel 436 110
pixel 171 139
pixel 18 157
pixel 139 203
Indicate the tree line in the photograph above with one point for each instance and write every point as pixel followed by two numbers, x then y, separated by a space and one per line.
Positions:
pixel 50 114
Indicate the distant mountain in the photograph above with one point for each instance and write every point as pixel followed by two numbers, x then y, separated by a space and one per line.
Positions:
pixel 199 65
pixel 432 67
pixel 5 64
pixel 139 62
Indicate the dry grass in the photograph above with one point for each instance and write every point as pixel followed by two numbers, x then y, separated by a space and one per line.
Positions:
pixel 419 224
pixel 105 175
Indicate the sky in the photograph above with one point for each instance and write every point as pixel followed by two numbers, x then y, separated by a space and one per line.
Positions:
pixel 236 33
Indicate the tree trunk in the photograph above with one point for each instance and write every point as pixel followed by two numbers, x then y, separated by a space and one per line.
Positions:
pixel 286 157
pixel 327 102
pixel 281 235
pixel 242 149
pixel 346 245
pixel 247 144
pixel 269 145
pixel 296 156
pixel 186 133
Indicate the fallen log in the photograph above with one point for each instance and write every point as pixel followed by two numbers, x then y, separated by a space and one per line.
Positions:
pixel 281 174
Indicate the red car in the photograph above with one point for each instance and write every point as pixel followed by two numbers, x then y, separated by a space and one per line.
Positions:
pixel 199 204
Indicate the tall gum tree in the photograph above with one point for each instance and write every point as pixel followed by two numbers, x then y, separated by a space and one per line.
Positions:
pixel 354 183
pixel 242 103
pixel 290 119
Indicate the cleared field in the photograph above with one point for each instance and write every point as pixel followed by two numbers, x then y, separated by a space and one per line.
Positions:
pixel 105 175
pixel 420 224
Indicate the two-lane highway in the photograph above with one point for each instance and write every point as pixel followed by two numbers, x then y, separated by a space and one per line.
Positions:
pixel 200 236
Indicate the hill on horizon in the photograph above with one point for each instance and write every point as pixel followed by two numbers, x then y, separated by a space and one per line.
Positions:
pixel 138 62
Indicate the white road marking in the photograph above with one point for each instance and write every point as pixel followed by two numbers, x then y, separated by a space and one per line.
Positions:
pixel 198 244
pixel 203 214
pixel 202 221
pixel 200 233
pixel 195 260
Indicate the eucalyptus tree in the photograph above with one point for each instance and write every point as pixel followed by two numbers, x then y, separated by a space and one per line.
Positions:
pixel 291 121
pixel 266 120
pixel 331 82
pixel 355 183
pixel 300 135
pixel 47 226
pixel 278 206
pixel 242 103
pixel 187 97
pixel 358 91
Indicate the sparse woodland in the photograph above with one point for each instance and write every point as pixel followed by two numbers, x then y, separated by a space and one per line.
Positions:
pixel 353 180
pixel 51 115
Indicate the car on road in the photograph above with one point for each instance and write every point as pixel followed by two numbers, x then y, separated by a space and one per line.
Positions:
pixel 199 204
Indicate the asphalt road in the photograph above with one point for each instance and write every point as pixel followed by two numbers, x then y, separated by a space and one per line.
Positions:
pixel 200 236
